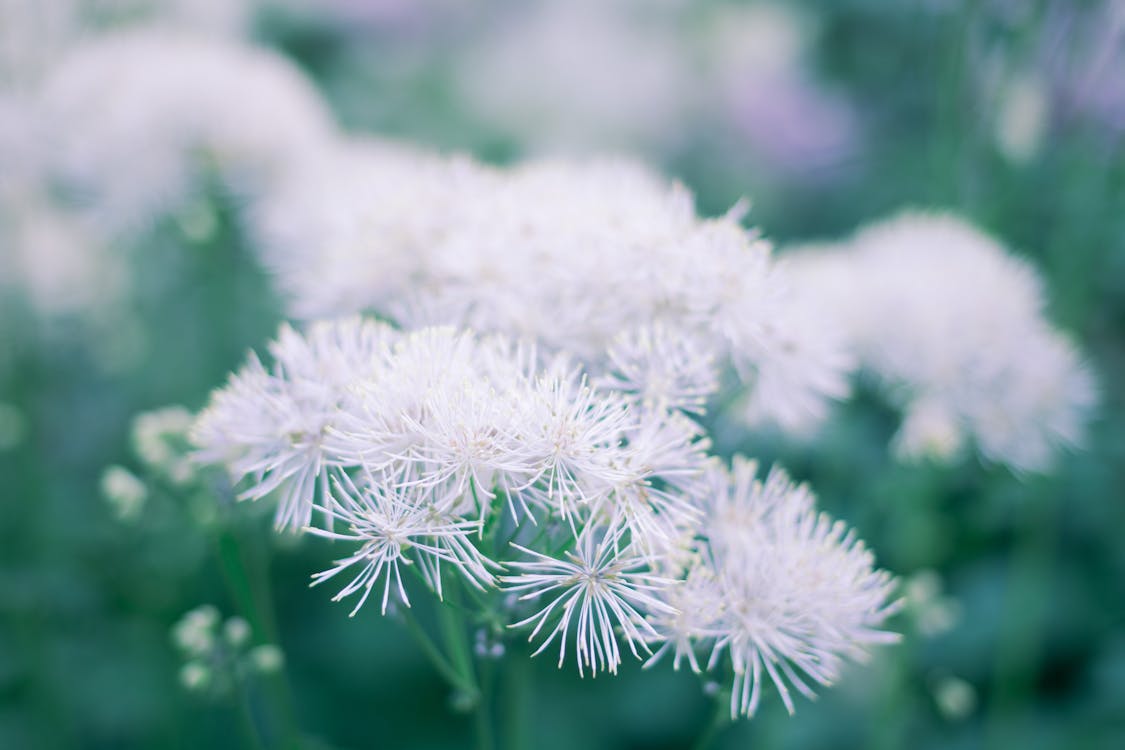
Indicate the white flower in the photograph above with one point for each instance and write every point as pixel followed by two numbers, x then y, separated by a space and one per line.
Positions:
pixel 270 426
pixel 61 264
pixel 663 463
pixel 354 229
pixel 574 432
pixel 695 611
pixel 399 523
pixel 194 633
pixel 628 84
pixel 479 414
pixel 408 442
pixel 160 439
pixel 664 370
pixel 155 104
pixel 799 592
pixel 576 256
pixel 125 493
pixel 601 587
pixel 955 327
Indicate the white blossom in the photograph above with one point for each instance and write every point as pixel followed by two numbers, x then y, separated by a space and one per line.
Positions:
pixel 620 522
pixel 780 590
pixel 269 425
pixel 159 107
pixel 576 256
pixel 663 370
pixel 599 588
pixel 955 327
pixel 398 523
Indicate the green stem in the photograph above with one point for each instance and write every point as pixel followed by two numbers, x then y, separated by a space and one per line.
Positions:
pixel 433 653
pixel 455 634
pixel 245 572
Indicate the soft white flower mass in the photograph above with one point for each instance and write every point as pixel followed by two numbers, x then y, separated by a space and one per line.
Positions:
pixel 458 456
pixel 523 422
pixel 159 107
pixel 573 255
pixel 955 328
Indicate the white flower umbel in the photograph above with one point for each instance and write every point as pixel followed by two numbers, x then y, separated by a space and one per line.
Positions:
pixel 268 426
pixel 577 256
pixel 399 523
pixel 600 589
pixel 625 534
pixel 778 588
pixel 156 104
pixel 955 327
pixel 575 434
pixel 664 370
pixel 355 229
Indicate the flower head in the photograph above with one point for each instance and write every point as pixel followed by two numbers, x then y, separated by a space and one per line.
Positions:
pixel 155 103
pixel 600 588
pixel 603 260
pixel 399 523
pixel 954 326
pixel 270 425
pixel 801 591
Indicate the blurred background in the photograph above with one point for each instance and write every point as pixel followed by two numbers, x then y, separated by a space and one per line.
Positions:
pixel 826 114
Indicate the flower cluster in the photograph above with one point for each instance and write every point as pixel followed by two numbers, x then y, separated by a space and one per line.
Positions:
pixel 571 254
pixel 780 589
pixel 954 326
pixel 179 102
pixel 590 510
pixel 219 655
pixel 585 258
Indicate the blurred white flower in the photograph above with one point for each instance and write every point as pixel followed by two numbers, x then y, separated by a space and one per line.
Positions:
pixel 955 328
pixel 159 108
pixel 663 370
pixel 934 612
pixel 1022 118
pixel 266 658
pixel 355 229
pixel 236 632
pixel 955 697
pixel 194 633
pixel 572 255
pixel 626 85
pixel 195 677
pixel 35 34
pixel 125 493
pixel 32 35
pixel 159 438
pixel 60 263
